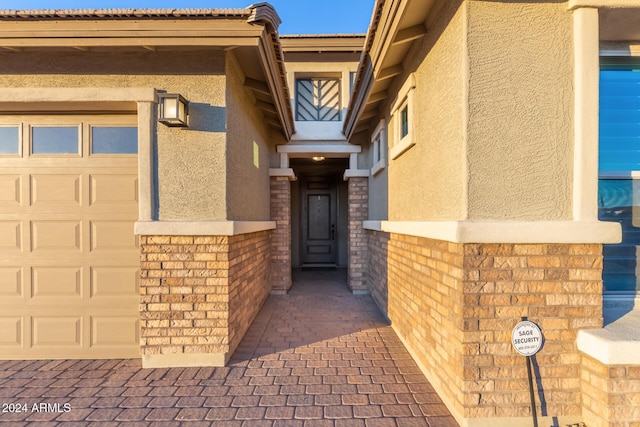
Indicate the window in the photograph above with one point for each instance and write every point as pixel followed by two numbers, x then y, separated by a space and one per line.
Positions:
pixel 9 140
pixel 619 172
pixel 318 99
pixel 402 118
pixel 378 141
pixel 114 140
pixel 55 140
pixel 404 121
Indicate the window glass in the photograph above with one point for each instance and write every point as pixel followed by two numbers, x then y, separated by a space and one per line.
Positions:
pixel 619 201
pixel 619 157
pixel 404 121
pixel 114 140
pixel 54 140
pixel 9 140
pixel 619 120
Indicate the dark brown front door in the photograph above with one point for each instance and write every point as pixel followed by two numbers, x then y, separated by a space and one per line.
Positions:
pixel 319 217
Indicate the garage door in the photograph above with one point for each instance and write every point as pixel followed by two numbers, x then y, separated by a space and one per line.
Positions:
pixel 68 256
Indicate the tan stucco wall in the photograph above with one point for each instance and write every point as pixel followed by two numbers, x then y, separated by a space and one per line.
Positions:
pixel 247 177
pixel 378 183
pixel 190 162
pixel 427 182
pixel 520 110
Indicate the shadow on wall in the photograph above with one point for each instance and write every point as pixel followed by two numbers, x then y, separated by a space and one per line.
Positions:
pixel 207 118
pixel 378 270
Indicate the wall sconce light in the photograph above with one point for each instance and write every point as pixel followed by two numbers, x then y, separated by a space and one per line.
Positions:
pixel 174 110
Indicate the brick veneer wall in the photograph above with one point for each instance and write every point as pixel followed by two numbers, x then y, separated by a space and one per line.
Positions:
pixel 199 294
pixel 358 200
pixel 425 305
pixel 455 305
pixel 610 394
pixel 281 236
pixel 377 269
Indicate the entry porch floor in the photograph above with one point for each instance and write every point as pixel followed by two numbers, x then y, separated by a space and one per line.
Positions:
pixel 318 356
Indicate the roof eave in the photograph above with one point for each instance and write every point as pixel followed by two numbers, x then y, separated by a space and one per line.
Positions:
pixel 406 23
pixel 84 30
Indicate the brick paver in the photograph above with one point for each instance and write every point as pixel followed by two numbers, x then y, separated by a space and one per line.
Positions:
pixel 318 356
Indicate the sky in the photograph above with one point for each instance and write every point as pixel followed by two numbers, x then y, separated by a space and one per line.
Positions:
pixel 298 16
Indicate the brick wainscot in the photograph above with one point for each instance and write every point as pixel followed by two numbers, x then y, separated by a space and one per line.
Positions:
pixel 455 304
pixel 199 295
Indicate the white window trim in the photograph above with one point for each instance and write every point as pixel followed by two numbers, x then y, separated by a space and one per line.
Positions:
pixel 404 99
pixel 378 140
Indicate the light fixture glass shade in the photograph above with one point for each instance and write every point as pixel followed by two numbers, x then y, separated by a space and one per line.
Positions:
pixel 174 110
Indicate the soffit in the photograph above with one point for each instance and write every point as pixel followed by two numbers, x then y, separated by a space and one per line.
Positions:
pixel 322 43
pixel 395 26
pixel 619 24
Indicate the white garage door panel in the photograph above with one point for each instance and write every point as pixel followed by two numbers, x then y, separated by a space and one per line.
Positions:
pixel 58 236
pixel 69 259
pixel 43 333
pixel 10 191
pixel 11 282
pixel 113 190
pixel 114 281
pixel 56 282
pixel 10 236
pixel 114 331
pixel 56 191
pixel 11 331
pixel 109 235
pixel 56 331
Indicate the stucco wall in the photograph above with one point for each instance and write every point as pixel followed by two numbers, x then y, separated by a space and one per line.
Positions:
pixel 427 182
pixel 520 110
pixel 378 184
pixel 190 162
pixel 248 146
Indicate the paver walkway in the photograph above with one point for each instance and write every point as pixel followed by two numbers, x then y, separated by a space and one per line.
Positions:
pixel 318 356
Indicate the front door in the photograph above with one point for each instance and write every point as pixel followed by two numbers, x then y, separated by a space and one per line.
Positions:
pixel 319 220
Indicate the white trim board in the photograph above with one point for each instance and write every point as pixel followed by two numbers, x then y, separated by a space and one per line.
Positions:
pixel 319 148
pixel 505 231
pixel 618 343
pixel 201 228
pixel 96 94
pixel 612 4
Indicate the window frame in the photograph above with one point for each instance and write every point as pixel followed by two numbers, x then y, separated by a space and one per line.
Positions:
pixel 404 101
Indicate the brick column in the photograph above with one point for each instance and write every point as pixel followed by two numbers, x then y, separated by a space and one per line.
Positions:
pixel 358 201
pixel 281 237
pixel 199 295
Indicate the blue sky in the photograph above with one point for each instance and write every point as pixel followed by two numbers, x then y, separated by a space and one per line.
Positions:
pixel 298 16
